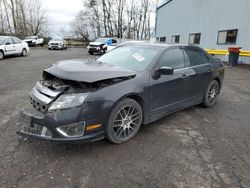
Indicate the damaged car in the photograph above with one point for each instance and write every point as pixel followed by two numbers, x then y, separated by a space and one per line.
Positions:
pixel 101 45
pixel 111 97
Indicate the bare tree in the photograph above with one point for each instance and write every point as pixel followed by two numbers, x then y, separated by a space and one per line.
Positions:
pixel 120 18
pixel 24 17
pixel 80 26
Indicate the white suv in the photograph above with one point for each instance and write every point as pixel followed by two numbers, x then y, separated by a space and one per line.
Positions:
pixel 12 46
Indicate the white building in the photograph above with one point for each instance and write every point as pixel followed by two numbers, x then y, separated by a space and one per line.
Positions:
pixel 213 24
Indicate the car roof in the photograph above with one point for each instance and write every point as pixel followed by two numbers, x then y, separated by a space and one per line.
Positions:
pixel 6 36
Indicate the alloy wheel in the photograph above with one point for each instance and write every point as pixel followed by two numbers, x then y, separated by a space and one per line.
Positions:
pixel 213 93
pixel 126 122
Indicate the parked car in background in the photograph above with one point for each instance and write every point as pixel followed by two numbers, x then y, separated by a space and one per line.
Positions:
pixel 57 44
pixel 34 41
pixel 12 46
pixel 100 45
pixel 134 84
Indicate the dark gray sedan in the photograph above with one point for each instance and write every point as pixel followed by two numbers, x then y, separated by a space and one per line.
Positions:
pixel 134 84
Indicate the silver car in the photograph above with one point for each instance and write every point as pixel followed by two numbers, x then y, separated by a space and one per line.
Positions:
pixel 57 43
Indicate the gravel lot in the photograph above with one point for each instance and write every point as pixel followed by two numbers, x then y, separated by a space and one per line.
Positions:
pixel 196 147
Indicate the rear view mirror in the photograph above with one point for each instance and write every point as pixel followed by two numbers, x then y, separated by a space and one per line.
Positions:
pixel 166 70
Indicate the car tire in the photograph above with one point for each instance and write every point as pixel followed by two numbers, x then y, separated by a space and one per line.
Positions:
pixel 1 55
pixel 91 53
pixel 211 94
pixel 24 52
pixel 124 122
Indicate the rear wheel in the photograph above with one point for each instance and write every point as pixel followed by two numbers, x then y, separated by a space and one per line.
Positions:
pixel 211 94
pixel 124 122
pixel 1 55
pixel 24 52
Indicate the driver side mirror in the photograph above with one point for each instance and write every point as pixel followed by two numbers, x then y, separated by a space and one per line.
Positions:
pixel 163 71
pixel 166 70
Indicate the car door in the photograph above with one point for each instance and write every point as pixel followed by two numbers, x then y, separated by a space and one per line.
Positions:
pixel 168 92
pixel 18 45
pixel 10 47
pixel 201 71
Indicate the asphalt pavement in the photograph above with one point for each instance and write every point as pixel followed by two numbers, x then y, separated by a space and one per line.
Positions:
pixel 196 147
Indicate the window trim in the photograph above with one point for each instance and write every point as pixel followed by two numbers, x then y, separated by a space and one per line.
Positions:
pixel 194 39
pixel 237 31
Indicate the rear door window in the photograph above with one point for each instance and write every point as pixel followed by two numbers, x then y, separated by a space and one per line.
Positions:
pixel 17 41
pixel 196 57
pixel 172 58
pixel 9 41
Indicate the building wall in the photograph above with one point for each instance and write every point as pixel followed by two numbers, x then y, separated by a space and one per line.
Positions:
pixel 183 17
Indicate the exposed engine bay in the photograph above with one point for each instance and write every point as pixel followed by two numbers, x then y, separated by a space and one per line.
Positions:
pixel 50 88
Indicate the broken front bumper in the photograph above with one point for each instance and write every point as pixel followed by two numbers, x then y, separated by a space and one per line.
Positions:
pixel 45 126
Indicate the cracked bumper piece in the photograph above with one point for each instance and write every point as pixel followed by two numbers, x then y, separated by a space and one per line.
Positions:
pixel 57 127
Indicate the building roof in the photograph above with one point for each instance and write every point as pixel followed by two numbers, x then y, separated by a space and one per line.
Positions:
pixel 162 5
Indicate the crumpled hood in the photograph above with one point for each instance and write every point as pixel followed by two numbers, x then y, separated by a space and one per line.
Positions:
pixel 96 43
pixel 84 70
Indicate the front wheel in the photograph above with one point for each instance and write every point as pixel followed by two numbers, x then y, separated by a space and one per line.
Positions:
pixel 24 52
pixel 124 122
pixel 210 97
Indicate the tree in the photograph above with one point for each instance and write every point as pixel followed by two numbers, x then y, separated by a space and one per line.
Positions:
pixel 80 26
pixel 25 17
pixel 120 18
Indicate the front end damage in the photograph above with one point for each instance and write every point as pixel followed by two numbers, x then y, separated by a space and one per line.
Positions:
pixel 78 123
pixel 62 107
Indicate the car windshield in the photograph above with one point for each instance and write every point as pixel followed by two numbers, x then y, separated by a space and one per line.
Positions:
pixel 100 40
pixel 56 39
pixel 2 40
pixel 135 58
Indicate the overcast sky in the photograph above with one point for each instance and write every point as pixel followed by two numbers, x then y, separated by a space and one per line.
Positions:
pixel 61 13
